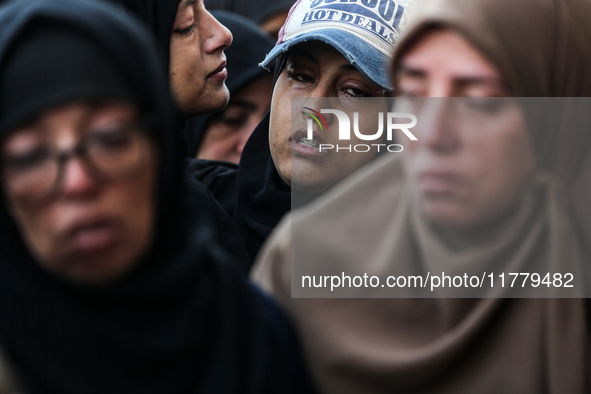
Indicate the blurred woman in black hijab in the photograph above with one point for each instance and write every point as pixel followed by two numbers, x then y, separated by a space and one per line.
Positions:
pixel 111 280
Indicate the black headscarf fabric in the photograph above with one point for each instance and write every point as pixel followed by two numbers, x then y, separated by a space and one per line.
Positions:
pixel 263 198
pixel 257 11
pixel 71 59
pixel 182 321
pixel 248 49
pixel 253 194
pixel 158 16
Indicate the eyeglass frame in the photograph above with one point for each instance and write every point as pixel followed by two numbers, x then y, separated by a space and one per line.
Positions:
pixel 142 125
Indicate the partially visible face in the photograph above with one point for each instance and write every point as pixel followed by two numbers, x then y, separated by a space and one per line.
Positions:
pixel 229 130
pixel 473 154
pixel 93 230
pixel 316 71
pixel 197 62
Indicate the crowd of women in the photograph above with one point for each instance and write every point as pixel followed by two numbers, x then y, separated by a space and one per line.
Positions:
pixel 149 170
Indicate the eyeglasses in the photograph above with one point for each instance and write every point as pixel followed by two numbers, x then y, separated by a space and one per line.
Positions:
pixel 114 153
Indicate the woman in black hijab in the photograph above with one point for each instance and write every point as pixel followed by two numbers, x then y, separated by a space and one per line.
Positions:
pixel 190 44
pixel 232 126
pixel 348 63
pixel 175 318
pixel 249 47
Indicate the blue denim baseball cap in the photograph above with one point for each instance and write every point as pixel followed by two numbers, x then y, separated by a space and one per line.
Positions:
pixel 363 31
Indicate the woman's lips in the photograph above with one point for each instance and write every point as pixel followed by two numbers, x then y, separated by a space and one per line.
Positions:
pixel 439 183
pixel 92 234
pixel 302 146
pixel 220 73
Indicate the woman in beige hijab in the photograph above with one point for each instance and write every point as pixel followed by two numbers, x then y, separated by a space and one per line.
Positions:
pixel 505 194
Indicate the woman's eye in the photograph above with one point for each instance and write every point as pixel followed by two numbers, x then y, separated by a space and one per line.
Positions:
pixel 187 31
pixel 27 160
pixel 234 121
pixel 354 92
pixel 302 78
pixel 491 105
pixel 110 139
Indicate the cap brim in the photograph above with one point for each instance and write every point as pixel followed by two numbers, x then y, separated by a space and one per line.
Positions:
pixel 372 63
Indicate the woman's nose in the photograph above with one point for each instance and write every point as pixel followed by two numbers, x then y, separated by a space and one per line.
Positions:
pixel 436 129
pixel 76 179
pixel 218 37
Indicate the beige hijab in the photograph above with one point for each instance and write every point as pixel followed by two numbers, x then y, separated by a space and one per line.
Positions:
pixel 489 345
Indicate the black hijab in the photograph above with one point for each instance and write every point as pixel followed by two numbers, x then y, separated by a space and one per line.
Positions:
pixel 262 198
pixel 158 16
pixel 182 321
pixel 249 47
pixel 253 193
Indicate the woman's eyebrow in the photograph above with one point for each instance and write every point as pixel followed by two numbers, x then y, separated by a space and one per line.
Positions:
pixel 462 81
pixel 466 82
pixel 409 71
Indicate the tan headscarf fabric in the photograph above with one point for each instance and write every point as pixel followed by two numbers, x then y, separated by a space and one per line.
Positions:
pixel 492 345
pixel 541 47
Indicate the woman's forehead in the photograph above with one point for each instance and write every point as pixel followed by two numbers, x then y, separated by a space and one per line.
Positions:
pixel 445 44
pixel 76 115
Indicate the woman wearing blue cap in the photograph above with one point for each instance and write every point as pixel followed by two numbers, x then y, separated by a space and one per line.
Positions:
pixel 325 49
